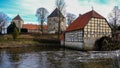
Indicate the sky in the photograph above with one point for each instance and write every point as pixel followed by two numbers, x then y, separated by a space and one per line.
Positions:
pixel 27 8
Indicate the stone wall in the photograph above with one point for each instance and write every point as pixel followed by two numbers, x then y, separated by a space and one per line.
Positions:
pixel 74 45
pixel 89 43
pixel 53 24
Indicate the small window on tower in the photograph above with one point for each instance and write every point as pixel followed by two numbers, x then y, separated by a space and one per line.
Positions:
pixel 54 20
pixel 49 19
pixel 19 21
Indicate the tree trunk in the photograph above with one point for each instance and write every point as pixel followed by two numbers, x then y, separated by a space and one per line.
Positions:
pixel 41 26
pixel 59 30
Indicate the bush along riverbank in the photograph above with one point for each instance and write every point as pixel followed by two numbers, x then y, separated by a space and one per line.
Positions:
pixel 107 44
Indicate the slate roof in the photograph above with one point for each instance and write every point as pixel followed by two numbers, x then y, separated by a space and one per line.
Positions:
pixel 82 20
pixel 55 13
pixel 17 18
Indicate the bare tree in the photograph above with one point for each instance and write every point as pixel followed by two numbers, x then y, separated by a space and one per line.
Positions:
pixel 70 18
pixel 42 14
pixel 114 18
pixel 4 20
pixel 60 4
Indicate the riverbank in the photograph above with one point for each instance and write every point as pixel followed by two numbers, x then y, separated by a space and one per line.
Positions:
pixel 25 40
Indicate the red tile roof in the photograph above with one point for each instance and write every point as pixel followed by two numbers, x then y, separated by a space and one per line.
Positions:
pixel 30 26
pixel 33 26
pixel 82 20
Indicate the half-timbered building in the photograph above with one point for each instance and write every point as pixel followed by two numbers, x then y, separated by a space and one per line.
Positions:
pixel 84 31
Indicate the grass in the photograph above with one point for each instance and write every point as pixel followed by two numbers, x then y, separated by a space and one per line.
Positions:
pixel 7 41
pixel 28 40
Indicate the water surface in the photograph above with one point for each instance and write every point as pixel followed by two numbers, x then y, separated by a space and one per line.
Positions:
pixel 36 57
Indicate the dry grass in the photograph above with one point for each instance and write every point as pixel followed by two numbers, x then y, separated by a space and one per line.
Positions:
pixel 22 40
pixel 25 40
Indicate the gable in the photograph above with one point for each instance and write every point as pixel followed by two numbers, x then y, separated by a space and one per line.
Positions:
pixel 17 18
pixel 56 13
pixel 97 22
pixel 83 20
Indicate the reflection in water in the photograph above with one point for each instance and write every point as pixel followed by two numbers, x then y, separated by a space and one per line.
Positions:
pixel 32 58
pixel 4 60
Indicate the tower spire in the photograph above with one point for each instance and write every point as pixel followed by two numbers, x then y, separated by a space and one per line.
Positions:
pixel 92 8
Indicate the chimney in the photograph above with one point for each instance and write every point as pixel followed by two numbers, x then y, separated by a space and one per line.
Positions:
pixel 80 15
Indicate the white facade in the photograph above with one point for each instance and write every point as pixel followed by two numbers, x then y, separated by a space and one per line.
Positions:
pixel 74 39
pixel 3 27
pixel 19 23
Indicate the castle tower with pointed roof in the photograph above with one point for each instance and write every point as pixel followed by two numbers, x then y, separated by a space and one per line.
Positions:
pixel 85 30
pixel 18 21
pixel 53 20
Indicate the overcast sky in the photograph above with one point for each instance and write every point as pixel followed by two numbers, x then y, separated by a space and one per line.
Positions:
pixel 27 8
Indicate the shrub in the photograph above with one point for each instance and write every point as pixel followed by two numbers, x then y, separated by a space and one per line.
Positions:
pixel 106 44
pixel 15 33
pixel 11 27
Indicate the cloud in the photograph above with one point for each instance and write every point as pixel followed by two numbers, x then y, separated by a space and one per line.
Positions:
pixel 33 5
pixel 27 8
pixel 77 7
pixel 103 7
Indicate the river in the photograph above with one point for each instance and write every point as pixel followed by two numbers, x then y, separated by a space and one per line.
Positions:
pixel 36 57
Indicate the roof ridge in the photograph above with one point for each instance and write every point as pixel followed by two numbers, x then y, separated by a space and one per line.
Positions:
pixel 17 18
pixel 94 12
pixel 55 13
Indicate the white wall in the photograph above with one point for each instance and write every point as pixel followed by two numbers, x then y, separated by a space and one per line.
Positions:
pixel 74 39
pixel 89 43
pixel 74 36
pixel 19 23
